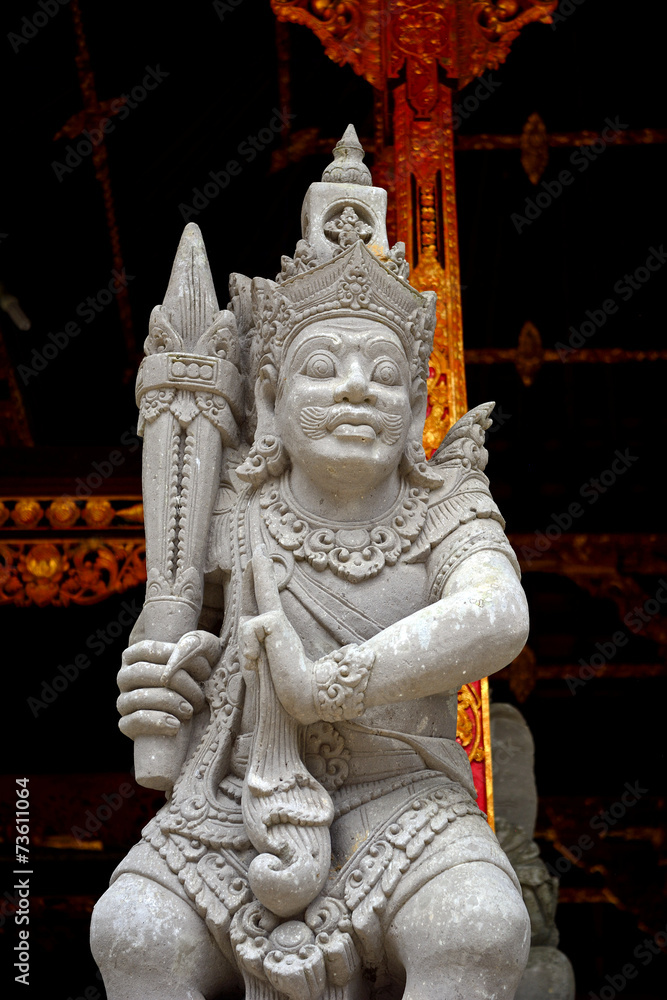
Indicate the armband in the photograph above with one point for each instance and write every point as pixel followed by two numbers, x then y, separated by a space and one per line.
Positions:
pixel 340 681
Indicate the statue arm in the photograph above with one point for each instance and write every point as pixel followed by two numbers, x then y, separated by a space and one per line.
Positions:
pixel 479 624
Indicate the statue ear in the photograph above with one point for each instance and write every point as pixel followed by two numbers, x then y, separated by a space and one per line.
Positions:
pixel 265 400
pixel 267 456
pixel 419 400
pixel 413 464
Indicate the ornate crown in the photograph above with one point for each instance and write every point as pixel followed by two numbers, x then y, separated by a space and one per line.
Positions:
pixel 343 266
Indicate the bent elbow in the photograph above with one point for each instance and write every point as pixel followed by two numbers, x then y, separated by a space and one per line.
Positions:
pixel 511 628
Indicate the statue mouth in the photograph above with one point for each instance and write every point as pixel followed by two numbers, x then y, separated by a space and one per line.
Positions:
pixel 354 430
pixel 346 420
pixel 351 419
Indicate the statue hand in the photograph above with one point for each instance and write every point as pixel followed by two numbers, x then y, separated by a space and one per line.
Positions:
pixel 290 668
pixel 160 683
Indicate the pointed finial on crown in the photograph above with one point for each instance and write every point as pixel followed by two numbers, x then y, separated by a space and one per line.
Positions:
pixel 347 166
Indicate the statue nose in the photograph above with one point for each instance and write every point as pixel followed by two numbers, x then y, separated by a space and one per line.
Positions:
pixel 354 387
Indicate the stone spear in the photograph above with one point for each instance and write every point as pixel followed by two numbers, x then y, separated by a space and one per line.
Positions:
pixel 190 398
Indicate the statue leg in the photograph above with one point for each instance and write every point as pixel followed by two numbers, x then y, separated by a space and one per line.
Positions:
pixel 151 945
pixel 464 936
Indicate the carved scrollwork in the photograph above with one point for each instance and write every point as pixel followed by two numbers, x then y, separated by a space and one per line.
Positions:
pixel 305 258
pixel 340 682
pixel 326 755
pixel 221 339
pixel 162 336
pixel 61 573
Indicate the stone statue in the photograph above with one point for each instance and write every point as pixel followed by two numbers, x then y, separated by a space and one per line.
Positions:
pixel 549 973
pixel 317 593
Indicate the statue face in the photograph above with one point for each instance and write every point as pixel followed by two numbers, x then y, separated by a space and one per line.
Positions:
pixel 344 397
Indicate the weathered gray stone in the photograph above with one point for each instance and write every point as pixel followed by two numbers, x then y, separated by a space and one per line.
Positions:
pixel 549 972
pixel 320 837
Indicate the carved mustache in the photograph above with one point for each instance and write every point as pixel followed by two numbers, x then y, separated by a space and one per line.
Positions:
pixel 317 421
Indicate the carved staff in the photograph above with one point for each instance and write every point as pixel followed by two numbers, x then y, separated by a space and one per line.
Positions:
pixel 190 397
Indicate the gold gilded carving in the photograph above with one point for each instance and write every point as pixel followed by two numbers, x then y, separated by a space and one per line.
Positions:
pixel 43 514
pixel 62 513
pixel 495 26
pixel 27 513
pixel 132 515
pixel 98 513
pixel 534 148
pixel 529 354
pixel 350 30
pixel 63 572
pixel 469 722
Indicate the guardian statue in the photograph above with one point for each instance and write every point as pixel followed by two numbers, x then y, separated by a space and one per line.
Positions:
pixel 317 593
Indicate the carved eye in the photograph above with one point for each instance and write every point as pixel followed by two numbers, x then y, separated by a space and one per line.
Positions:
pixel 387 373
pixel 320 365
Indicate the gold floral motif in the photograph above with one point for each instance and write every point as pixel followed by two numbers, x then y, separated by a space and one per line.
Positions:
pixel 27 513
pixel 63 572
pixel 98 513
pixel 62 513
pixel 66 512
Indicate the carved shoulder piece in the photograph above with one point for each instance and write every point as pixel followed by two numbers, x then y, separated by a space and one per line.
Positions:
pixel 462 516
pixel 464 442
pixel 463 494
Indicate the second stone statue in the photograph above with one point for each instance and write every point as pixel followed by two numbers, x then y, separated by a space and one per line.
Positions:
pixel 317 593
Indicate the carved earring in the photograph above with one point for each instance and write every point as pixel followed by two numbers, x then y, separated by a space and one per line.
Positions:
pixel 415 468
pixel 267 457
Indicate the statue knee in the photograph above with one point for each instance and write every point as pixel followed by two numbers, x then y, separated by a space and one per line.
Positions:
pixel 469 917
pixel 148 942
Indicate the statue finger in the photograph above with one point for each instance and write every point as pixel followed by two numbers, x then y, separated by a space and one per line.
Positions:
pixel 148 649
pixel 155 700
pixel 266 586
pixel 195 652
pixel 249 643
pixel 138 675
pixel 183 683
pixel 146 723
